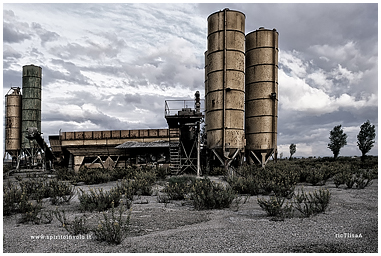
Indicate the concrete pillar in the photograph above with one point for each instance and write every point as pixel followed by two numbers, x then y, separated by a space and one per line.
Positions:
pixel 78 162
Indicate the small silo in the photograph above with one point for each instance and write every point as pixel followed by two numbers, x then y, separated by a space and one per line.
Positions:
pixel 13 122
pixel 225 86
pixel 261 97
pixel 31 102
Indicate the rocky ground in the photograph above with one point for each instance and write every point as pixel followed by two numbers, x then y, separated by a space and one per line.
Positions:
pixel 349 225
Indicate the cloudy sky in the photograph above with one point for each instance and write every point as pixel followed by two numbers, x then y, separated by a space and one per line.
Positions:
pixel 112 66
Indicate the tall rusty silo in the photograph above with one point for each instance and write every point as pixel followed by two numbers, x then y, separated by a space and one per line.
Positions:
pixel 225 91
pixel 206 77
pixel 31 102
pixel 13 122
pixel 261 97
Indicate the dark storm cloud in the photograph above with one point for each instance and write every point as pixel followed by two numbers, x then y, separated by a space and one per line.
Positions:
pixel 114 65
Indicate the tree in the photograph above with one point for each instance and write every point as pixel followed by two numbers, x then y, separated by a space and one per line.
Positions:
pixel 292 149
pixel 338 140
pixel 365 138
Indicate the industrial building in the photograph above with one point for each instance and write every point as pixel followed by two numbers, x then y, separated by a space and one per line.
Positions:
pixel 240 113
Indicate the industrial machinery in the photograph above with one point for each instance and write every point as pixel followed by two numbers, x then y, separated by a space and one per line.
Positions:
pixel 241 112
pixel 261 97
pixel 23 139
pixel 184 136
pixel 225 87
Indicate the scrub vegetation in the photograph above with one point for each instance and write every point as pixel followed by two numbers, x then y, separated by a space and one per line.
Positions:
pixel 31 198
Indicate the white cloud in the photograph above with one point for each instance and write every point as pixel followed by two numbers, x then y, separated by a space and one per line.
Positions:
pixel 337 53
pixel 292 62
pixel 113 65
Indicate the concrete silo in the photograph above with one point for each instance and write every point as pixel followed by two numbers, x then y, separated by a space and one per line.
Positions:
pixel 31 102
pixel 13 122
pixel 261 97
pixel 225 86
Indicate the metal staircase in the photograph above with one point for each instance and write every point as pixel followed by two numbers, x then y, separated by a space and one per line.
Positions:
pixel 174 151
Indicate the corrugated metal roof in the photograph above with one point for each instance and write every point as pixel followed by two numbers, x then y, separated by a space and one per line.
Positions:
pixel 153 144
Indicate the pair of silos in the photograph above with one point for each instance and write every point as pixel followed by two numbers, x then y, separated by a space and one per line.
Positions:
pixel 240 88
pixel 23 111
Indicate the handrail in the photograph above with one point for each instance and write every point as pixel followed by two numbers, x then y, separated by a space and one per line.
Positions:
pixel 178 105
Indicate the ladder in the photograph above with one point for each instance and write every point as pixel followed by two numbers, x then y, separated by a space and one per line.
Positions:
pixel 174 151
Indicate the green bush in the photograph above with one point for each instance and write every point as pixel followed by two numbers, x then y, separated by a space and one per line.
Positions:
pixel 280 179
pixel 60 192
pixel 12 195
pixel 179 186
pixel 285 181
pixel 127 188
pixel 76 227
pixel 274 207
pixel 30 212
pixel 209 195
pixel 316 176
pixel 99 200
pixel 92 176
pixel 114 228
pixel 143 182
pixel 245 185
pixel 161 173
pixel 349 179
pixel 63 173
pixel 312 203
pixel 35 188
pixel 339 179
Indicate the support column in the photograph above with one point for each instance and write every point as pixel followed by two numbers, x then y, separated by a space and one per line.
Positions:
pixel 78 162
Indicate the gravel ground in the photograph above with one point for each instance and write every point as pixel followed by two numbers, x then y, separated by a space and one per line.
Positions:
pixel 177 227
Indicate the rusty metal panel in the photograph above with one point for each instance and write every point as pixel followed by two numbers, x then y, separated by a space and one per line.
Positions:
pixel 235 80
pixel 31 102
pixel 261 73
pixel 125 133
pixel 106 134
pixel 235 41
pixel 260 107
pixel 116 134
pixel 258 91
pixel 262 56
pixel 163 132
pixel 143 133
pixel 62 135
pixel 97 135
pixel 88 135
pixel 13 121
pixel 134 133
pixel 69 135
pixel 78 135
pixel 153 132
pixel 261 98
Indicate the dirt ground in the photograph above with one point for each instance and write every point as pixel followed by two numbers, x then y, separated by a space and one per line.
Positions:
pixel 349 225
